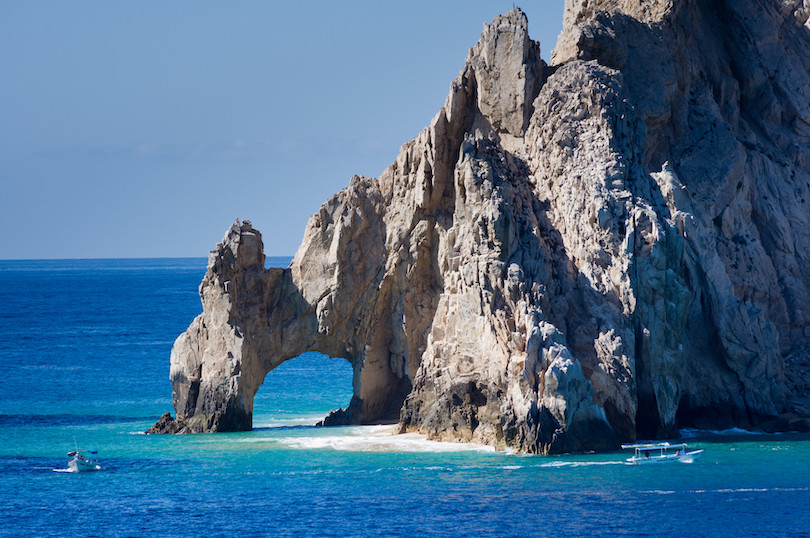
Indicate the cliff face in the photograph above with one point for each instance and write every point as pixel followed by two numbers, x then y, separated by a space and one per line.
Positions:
pixel 566 257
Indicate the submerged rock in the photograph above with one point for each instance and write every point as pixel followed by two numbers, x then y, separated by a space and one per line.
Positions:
pixel 566 258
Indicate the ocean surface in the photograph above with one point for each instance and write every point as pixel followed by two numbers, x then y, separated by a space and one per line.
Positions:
pixel 84 349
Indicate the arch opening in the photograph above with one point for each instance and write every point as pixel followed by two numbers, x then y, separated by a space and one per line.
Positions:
pixel 303 391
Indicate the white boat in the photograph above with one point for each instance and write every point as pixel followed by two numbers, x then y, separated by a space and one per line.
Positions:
pixel 661 453
pixel 78 463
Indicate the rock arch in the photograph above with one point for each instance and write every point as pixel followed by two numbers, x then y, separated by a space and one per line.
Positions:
pixel 255 319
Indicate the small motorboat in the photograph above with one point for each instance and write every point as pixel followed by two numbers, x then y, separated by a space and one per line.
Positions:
pixel 78 463
pixel 661 453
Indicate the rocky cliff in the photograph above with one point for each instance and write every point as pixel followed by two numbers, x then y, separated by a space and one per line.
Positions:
pixel 568 256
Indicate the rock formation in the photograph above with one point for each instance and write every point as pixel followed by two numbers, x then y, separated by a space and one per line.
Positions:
pixel 567 257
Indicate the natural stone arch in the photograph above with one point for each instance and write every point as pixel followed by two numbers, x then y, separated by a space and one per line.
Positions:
pixel 257 319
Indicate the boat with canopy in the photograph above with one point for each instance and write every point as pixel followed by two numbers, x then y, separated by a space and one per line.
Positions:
pixel 80 463
pixel 661 453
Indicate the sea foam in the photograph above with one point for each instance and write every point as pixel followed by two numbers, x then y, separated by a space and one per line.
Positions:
pixel 376 439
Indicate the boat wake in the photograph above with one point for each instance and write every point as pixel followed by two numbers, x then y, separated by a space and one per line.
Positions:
pixel 580 463
pixel 96 468
pixel 726 491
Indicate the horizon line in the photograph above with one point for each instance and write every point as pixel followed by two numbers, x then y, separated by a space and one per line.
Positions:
pixel 123 258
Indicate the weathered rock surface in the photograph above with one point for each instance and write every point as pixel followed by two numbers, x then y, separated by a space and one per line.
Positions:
pixel 165 424
pixel 567 257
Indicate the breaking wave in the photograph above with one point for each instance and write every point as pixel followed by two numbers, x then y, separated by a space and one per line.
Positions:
pixel 376 439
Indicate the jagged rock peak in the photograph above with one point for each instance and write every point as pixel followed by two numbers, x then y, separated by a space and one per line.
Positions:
pixel 508 71
pixel 576 38
pixel 578 11
pixel 565 258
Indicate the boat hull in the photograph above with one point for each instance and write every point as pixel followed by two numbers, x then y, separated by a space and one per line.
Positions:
pixel 82 466
pixel 688 457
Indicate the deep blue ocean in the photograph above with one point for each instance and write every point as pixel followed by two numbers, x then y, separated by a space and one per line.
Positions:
pixel 84 350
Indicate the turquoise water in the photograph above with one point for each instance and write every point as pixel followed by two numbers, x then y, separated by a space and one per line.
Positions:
pixel 84 348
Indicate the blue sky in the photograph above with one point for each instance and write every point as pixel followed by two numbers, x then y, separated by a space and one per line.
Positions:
pixel 142 129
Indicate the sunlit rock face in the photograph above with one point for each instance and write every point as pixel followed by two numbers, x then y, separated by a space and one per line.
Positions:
pixel 567 257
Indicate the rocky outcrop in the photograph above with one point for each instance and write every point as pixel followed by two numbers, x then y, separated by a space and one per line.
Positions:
pixel 165 424
pixel 567 257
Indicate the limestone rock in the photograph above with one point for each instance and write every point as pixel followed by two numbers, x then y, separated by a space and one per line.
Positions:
pixel 567 257
pixel 165 424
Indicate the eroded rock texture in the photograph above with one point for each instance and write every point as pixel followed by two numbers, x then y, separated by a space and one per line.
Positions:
pixel 567 257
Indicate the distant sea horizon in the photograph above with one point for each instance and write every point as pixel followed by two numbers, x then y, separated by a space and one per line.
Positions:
pixel 126 258
pixel 85 347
